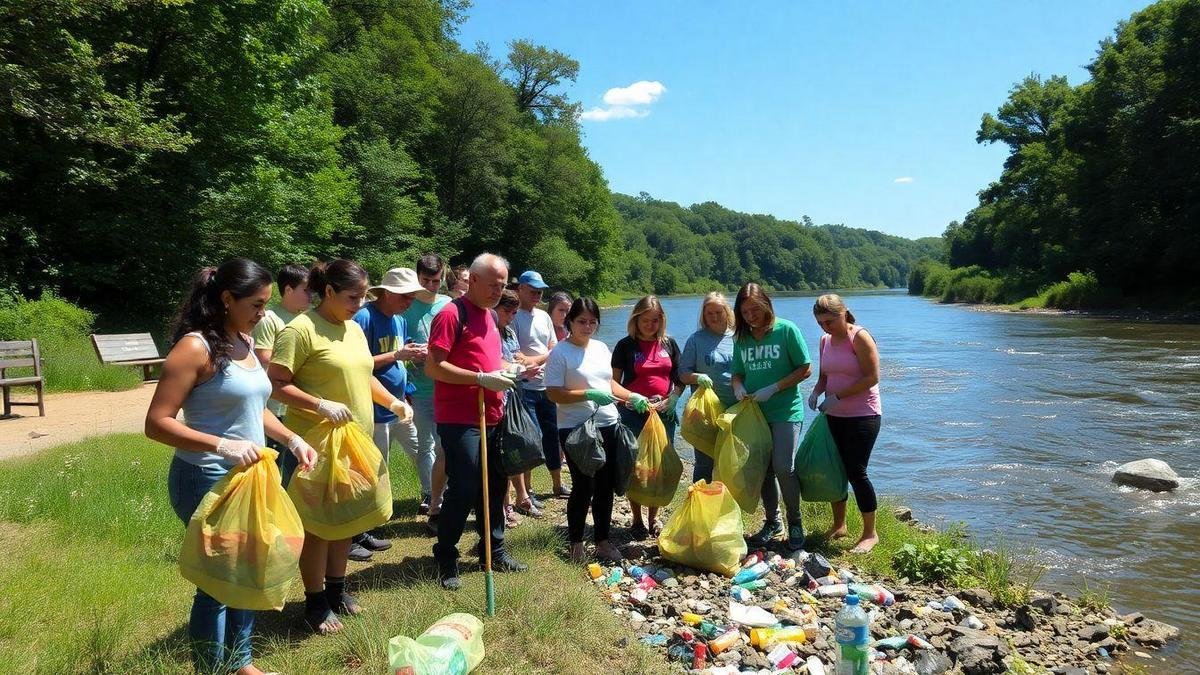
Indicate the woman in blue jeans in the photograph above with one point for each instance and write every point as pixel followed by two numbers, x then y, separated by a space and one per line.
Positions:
pixel 213 376
pixel 705 362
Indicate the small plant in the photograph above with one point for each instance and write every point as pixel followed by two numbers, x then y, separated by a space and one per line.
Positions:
pixel 931 562
pixel 1010 578
pixel 1093 597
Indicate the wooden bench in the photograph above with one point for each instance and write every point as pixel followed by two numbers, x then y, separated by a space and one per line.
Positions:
pixel 128 349
pixel 21 354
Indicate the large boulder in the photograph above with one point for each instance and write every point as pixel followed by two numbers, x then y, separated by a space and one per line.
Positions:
pixel 1147 474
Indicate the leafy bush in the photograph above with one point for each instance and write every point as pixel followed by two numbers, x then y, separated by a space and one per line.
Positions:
pixel 931 562
pixel 1079 291
pixel 50 319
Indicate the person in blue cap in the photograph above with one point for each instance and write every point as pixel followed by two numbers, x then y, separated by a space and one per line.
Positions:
pixel 536 336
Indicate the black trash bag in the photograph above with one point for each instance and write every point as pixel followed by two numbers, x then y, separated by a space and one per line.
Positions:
pixel 626 451
pixel 585 447
pixel 520 437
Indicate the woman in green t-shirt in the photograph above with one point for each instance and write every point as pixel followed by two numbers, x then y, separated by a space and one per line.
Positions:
pixel 321 368
pixel 770 360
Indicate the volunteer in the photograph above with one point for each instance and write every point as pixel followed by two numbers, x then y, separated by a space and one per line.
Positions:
pixel 705 361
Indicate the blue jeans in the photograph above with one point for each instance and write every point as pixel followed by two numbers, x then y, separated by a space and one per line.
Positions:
pixel 546 413
pixel 703 468
pixel 220 635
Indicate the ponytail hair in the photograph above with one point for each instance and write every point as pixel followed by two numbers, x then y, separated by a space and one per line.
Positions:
pixel 337 274
pixel 202 310
pixel 832 303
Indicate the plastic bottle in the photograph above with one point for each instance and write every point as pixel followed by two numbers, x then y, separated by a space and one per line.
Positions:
pixel 765 637
pixel 753 585
pixel 699 656
pixel 637 572
pixel 754 558
pixel 647 582
pixel 741 594
pixel 724 641
pixel 873 593
pixel 595 571
pixel 614 577
pixel 782 658
pixel 814 665
pixel 854 639
pixel 756 571
pixel 691 619
pixel 832 591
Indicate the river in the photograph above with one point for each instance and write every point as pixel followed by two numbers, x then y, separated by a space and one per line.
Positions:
pixel 1013 423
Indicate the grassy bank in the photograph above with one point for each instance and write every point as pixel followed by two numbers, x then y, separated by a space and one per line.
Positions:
pixel 974 284
pixel 91 584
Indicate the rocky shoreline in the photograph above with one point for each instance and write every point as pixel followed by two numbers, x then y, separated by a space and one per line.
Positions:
pixel 672 608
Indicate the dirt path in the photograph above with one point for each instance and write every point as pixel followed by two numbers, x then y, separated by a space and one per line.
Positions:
pixel 71 417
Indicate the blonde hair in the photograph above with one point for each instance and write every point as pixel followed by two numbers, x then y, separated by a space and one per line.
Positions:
pixel 649 303
pixel 832 303
pixel 717 298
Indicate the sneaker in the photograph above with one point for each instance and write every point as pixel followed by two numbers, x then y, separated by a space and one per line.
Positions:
pixel 448 576
pixel 638 532
pixel 358 553
pixel 423 508
pixel 431 525
pixel 770 530
pixel 373 543
pixel 506 563
pixel 537 503
pixel 562 492
pixel 795 540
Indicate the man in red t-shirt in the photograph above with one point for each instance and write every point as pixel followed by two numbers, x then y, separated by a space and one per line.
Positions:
pixel 462 360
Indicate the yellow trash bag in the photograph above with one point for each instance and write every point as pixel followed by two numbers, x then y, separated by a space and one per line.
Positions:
pixel 242 545
pixel 706 532
pixel 743 452
pixel 452 646
pixel 658 468
pixel 699 426
pixel 348 491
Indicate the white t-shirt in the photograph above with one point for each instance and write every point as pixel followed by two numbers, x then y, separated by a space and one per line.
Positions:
pixel 573 367
pixel 535 333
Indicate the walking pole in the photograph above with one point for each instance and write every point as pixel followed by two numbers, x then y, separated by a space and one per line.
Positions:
pixel 487 510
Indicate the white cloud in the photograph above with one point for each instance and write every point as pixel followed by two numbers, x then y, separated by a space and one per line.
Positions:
pixel 642 92
pixel 626 102
pixel 616 112
pixel 904 179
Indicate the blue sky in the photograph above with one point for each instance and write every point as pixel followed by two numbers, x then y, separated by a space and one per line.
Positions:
pixel 803 108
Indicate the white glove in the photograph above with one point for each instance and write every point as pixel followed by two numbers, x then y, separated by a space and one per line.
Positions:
pixel 403 410
pixel 496 381
pixel 830 401
pixel 302 451
pixel 333 411
pixel 766 392
pixel 812 399
pixel 739 391
pixel 242 452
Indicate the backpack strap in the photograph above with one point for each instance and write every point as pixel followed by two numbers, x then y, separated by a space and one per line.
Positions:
pixel 461 304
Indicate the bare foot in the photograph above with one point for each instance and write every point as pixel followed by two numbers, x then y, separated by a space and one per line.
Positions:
pixel 836 532
pixel 578 554
pixel 249 670
pixel 607 552
pixel 865 544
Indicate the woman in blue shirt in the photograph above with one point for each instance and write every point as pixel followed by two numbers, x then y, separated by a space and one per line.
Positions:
pixel 705 361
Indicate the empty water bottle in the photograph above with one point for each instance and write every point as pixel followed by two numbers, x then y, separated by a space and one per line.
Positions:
pixel 854 638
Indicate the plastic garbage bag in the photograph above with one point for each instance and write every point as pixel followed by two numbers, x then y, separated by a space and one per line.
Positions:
pixel 706 532
pixel 520 437
pixel 585 447
pixel 700 415
pixel 819 466
pixel 626 457
pixel 242 545
pixel 452 646
pixel 743 452
pixel 658 468
pixel 348 491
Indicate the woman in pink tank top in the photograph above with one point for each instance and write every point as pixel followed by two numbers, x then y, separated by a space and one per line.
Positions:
pixel 849 362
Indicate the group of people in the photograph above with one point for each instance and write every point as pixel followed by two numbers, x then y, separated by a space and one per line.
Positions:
pixel 432 372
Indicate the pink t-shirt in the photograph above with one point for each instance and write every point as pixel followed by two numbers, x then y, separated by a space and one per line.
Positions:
pixel 652 365
pixel 839 365
pixel 477 350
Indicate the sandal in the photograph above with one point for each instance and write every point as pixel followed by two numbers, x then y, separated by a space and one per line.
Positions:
pixel 511 519
pixel 347 605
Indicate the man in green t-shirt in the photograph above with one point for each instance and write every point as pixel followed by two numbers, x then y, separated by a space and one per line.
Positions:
pixel 770 360
pixel 294 299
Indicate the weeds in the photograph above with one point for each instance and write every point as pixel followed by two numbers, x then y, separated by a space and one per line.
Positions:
pixel 1092 597
pixel 1009 577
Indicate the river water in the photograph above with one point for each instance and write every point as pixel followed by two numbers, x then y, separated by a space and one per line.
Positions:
pixel 1013 423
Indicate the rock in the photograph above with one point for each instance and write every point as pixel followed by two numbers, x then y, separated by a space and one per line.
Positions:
pixel 670 582
pixel 1048 604
pixel 903 514
pixel 1153 633
pixel 1059 624
pixel 1147 474
pixel 38 433
pixel 933 663
pixel 980 661
pixel 1094 633
pixel 1108 644
pixel 1025 618
pixel 978 597
pixel 1132 618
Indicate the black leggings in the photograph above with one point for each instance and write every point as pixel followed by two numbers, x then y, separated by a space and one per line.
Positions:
pixel 594 491
pixel 855 438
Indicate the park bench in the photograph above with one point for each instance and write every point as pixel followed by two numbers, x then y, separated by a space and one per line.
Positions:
pixel 21 354
pixel 128 349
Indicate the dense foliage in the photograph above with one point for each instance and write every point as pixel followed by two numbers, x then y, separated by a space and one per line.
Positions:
pixel 1101 177
pixel 672 249
pixel 144 138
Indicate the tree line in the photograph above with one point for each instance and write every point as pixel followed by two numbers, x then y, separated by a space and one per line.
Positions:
pixel 144 138
pixel 1102 179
